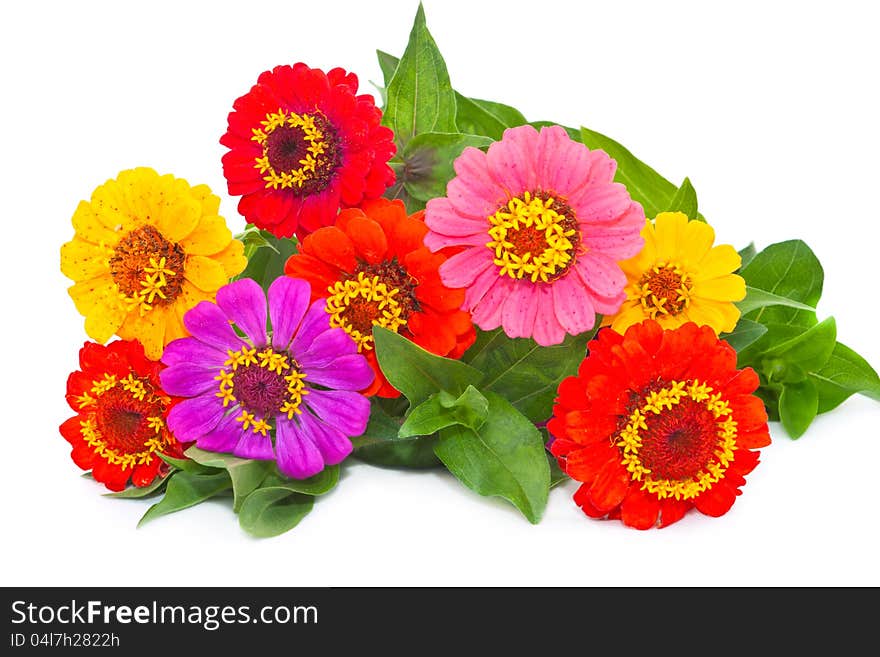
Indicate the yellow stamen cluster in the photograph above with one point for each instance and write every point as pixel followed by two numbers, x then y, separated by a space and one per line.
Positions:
pixel 551 247
pixel 155 278
pixel 352 303
pixel 663 290
pixel 312 135
pixel 274 362
pixel 630 439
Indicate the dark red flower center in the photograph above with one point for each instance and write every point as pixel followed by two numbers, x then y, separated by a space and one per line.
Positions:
pixel 122 421
pixel 147 268
pixel 260 390
pixel 679 442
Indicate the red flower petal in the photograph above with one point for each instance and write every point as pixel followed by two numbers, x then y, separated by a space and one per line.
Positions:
pixel 639 509
pixel 610 486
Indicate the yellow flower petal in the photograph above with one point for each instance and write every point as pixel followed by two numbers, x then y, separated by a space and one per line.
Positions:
pixel 148 329
pixel 174 327
pixel 210 236
pixel 210 202
pixel 723 288
pixel 98 301
pixel 81 260
pixel 630 313
pixel 88 227
pixel 111 208
pixel 232 258
pixel 668 227
pixel 720 260
pixel 729 313
pixel 188 298
pixel 696 240
pixel 178 219
pixel 205 273
pixel 706 314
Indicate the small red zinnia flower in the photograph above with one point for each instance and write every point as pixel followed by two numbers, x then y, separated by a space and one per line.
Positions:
pixel 374 269
pixel 302 145
pixel 120 420
pixel 657 422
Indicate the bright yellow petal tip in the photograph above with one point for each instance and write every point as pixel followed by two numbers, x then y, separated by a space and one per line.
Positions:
pixel 137 243
pixel 680 276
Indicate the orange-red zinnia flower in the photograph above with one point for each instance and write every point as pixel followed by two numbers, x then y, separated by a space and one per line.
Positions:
pixel 373 269
pixel 120 408
pixel 657 422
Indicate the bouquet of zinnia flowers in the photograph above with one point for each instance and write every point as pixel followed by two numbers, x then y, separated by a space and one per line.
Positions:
pixel 433 281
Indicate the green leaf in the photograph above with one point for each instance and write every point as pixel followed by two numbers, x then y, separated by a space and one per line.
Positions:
pixel 138 492
pixel 505 458
pixel 758 298
pixel 506 114
pixel 473 118
pixel 319 484
pixel 427 162
pixel 645 185
pixel 790 270
pixel 809 350
pixel 270 512
pixel 745 333
pixel 557 476
pixel 522 371
pixel 411 454
pixel 798 405
pixel 417 373
pixel 186 489
pixel 845 374
pixel 747 254
pixel 266 263
pixel 685 200
pixel 443 410
pixel 388 64
pixel 420 96
pixel 187 465
pixel 246 474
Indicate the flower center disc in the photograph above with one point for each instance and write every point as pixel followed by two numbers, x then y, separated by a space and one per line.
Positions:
pixel 664 290
pixel 147 268
pixel 260 390
pixel 535 236
pixel 301 152
pixel 121 421
pixel 379 295
pixel 680 441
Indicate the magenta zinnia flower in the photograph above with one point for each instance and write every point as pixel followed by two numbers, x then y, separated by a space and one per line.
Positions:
pixel 289 394
pixel 544 227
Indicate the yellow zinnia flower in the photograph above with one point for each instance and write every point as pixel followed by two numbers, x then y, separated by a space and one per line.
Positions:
pixel 146 249
pixel 680 277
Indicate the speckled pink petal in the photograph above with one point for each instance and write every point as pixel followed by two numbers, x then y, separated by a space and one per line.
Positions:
pixel 518 314
pixel 442 218
pixel 604 305
pixel 550 140
pixel 601 273
pixel 487 313
pixel 478 289
pixel 572 305
pixel 548 331
pixel 511 160
pixel 571 168
pixel 618 241
pixel 601 203
pixel 462 268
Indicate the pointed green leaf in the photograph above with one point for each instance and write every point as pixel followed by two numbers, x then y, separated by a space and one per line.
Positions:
pixel 186 489
pixel 411 453
pixel 685 200
pixel 187 465
pixel 472 118
pixel 427 162
pixel 504 458
pixel 417 373
pixel 557 476
pixel 271 512
pixel 319 484
pixel 442 410
pixel 846 373
pixel 246 474
pixel 420 96
pixel 758 298
pixel 644 184
pixel 388 64
pixel 747 253
pixel 525 373
pixel 798 405
pixel 138 492
pixel 809 350
pixel 745 333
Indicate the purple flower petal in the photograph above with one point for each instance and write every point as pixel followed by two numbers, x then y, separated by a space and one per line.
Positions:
pixel 244 303
pixel 184 380
pixel 327 346
pixel 350 372
pixel 347 411
pixel 298 455
pixel 288 301
pixel 314 323
pixel 193 352
pixel 332 443
pixel 253 445
pixel 209 324
pixel 192 418
pixel 224 437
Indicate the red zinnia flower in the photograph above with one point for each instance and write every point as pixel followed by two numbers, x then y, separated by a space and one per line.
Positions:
pixel 657 422
pixel 373 268
pixel 302 144
pixel 120 420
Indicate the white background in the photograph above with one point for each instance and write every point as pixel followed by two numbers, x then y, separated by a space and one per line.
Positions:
pixel 770 108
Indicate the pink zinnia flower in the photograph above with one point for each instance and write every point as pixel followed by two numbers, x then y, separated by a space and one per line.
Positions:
pixel 544 227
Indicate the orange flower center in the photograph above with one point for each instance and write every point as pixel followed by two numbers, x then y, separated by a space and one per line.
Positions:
pixel 534 236
pixel 375 295
pixel 679 439
pixel 124 420
pixel 147 268
pixel 664 290
pixel 301 152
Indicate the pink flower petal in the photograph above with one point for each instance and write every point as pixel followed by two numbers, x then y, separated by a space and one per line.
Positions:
pixel 601 273
pixel 602 304
pixel 616 241
pixel 572 304
pixel 550 140
pixel 471 199
pixel 442 218
pixel 462 268
pixel 487 313
pixel 511 160
pixel 520 308
pixel 601 203
pixel 478 289
pixel 571 168
pixel 548 331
